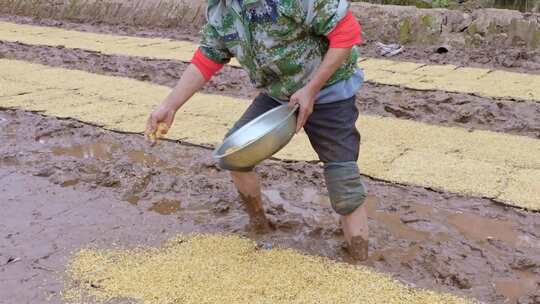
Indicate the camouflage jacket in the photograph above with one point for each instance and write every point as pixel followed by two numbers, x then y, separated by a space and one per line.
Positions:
pixel 280 43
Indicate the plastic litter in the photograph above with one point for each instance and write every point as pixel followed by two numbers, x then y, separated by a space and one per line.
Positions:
pixel 389 50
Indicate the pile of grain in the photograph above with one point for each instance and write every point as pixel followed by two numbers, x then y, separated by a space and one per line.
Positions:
pixel 229 269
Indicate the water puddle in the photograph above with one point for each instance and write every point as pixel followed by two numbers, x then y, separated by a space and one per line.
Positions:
pixel 392 222
pixel 165 206
pixel 482 228
pixel 70 183
pixel 99 150
pixel 514 288
pixel 422 210
pixel 145 159
pixel 133 199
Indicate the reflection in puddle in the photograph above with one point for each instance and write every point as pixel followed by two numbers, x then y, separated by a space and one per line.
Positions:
pixel 165 206
pixel 513 288
pixel 95 150
pixel 145 159
pixel 482 228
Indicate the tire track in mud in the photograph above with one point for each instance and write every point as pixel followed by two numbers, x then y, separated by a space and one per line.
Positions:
pixel 484 82
pixel 440 241
pixel 394 150
pixel 434 107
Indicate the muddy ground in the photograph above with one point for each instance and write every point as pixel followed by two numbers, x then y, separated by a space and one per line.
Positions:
pixel 66 185
pixel 512 58
pixel 435 107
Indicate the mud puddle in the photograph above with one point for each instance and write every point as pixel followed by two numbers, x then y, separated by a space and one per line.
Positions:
pixel 165 207
pixel 513 289
pixel 484 229
pixel 102 188
pixel 95 150
pixel 439 108
pixel 517 59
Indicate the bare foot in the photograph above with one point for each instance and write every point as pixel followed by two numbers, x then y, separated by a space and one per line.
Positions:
pixel 261 225
pixel 358 248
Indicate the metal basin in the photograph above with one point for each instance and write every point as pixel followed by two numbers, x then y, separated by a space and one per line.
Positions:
pixel 257 140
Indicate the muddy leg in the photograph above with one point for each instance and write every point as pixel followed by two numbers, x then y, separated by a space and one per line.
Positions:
pixel 249 188
pixel 356 232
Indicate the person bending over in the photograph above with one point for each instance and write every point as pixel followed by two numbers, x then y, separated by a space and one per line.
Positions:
pixel 300 52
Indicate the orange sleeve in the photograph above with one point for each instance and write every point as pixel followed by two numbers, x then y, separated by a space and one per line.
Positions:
pixel 206 66
pixel 346 34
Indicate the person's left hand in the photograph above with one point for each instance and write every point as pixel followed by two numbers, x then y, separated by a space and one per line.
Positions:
pixel 304 98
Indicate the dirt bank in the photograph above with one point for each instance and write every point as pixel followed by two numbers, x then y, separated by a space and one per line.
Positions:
pixel 157 13
pixel 484 28
pixel 448 109
pixel 511 58
pixel 67 185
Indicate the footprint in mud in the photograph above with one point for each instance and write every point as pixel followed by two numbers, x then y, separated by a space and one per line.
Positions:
pixel 220 206
pixel 9 161
pixel 70 183
pixel 299 214
pixel 165 206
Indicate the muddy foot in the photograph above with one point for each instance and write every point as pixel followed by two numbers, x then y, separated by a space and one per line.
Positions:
pixel 258 222
pixel 261 225
pixel 358 249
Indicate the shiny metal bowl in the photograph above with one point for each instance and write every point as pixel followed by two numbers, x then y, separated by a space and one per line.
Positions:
pixel 257 140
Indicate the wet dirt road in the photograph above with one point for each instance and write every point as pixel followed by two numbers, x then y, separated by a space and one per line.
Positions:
pixel 66 185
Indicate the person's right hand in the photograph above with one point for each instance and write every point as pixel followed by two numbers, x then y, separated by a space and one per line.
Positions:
pixel 164 114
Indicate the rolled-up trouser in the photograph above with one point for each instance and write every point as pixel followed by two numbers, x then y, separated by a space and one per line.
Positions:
pixel 345 186
pixel 331 130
